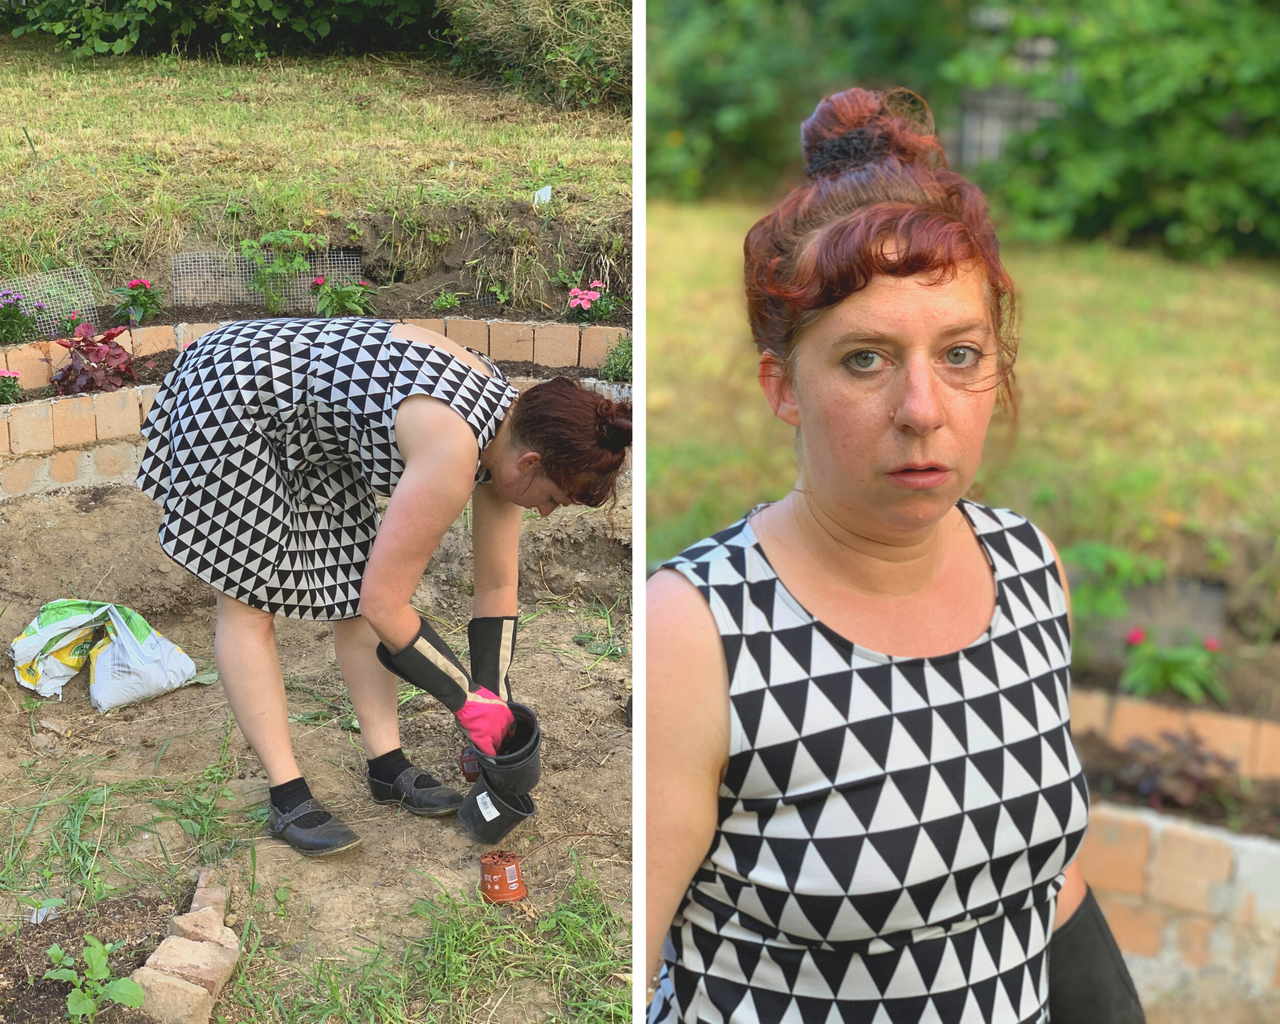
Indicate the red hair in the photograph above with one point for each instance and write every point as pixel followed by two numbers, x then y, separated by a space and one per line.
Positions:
pixel 582 437
pixel 879 200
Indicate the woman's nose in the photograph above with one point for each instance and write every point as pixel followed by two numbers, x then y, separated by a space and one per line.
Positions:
pixel 547 509
pixel 920 406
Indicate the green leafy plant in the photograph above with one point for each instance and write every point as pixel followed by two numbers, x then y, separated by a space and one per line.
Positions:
pixel 286 251
pixel 96 986
pixel 500 292
pixel 9 388
pixel 593 304
pixel 617 364
pixel 17 318
pixel 1192 670
pixel 1106 572
pixel 137 300
pixel 446 301
pixel 351 298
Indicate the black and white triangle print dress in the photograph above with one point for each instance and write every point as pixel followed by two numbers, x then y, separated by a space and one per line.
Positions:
pixel 892 831
pixel 269 439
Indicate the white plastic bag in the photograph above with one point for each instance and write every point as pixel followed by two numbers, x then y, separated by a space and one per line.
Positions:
pixel 131 663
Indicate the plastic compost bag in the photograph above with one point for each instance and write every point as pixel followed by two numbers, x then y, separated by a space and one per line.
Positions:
pixel 130 663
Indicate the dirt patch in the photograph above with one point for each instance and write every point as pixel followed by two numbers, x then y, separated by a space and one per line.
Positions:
pixel 137 923
pixel 572 666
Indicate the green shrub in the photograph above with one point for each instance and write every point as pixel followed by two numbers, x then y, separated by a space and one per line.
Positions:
pixel 730 80
pixel 1168 124
pixel 237 28
pixel 617 364
pixel 575 53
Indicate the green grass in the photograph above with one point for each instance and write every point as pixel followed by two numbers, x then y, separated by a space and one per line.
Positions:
pixel 573 961
pixel 124 160
pixel 1148 396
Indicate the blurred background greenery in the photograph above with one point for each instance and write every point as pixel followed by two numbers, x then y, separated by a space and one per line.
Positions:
pixel 1131 153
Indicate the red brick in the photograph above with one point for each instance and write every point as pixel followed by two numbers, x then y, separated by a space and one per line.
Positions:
pixel 1141 719
pixel 596 343
pixel 1090 712
pixel 74 422
pixel 1193 940
pixel 117 413
pixel 28 360
pixel 191 332
pixel 171 999
pixel 471 333
pixel 1187 869
pixel 1137 929
pixel 147 341
pixel 202 963
pixel 64 466
pixel 210 891
pixel 17 477
pixel 1115 851
pixel 204 925
pixel 429 325
pixel 555 344
pixel 511 342
pixel 30 427
pixel 1264 752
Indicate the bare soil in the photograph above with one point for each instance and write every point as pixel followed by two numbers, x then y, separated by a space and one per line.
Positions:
pixel 100 544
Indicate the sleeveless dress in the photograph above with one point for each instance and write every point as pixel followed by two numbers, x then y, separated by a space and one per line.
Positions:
pixel 892 831
pixel 269 440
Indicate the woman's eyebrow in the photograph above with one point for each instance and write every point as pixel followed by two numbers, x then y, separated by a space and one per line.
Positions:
pixel 966 327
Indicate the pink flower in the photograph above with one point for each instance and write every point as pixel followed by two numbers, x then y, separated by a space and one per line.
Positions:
pixel 319 280
pixel 1136 636
pixel 1212 644
pixel 592 295
pixel 364 283
pixel 10 373
pixel 597 284
pixel 134 283
pixel 146 283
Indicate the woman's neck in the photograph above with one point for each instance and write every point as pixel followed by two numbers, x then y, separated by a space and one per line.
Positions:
pixel 854 553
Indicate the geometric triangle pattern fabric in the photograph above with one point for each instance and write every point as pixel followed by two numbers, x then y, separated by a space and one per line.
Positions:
pixel 892 831
pixel 269 441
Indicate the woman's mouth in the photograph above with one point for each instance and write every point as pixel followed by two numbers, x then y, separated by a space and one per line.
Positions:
pixel 921 476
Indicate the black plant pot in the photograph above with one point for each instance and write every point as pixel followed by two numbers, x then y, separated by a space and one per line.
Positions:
pixel 490 817
pixel 515 769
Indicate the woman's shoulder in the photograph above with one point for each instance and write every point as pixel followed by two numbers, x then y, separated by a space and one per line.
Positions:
pixel 1004 527
pixel 721 545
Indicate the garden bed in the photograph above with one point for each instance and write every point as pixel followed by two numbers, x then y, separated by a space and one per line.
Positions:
pixel 309 920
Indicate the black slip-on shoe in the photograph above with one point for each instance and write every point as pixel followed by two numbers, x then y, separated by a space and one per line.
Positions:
pixel 320 841
pixel 434 800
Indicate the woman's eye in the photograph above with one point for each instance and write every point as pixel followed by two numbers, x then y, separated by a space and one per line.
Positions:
pixel 962 355
pixel 864 360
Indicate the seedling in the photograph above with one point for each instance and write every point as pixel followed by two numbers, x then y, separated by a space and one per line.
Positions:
pixel 287 250
pixel 96 986
pixel 446 301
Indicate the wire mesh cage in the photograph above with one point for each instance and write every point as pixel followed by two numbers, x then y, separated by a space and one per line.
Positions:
pixel 220 278
pixel 61 291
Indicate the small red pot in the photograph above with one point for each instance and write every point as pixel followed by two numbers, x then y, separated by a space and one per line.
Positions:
pixel 500 880
pixel 470 764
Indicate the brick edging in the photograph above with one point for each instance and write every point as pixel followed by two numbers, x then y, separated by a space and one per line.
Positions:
pixel 1182 897
pixel 1254 744
pixel 549 344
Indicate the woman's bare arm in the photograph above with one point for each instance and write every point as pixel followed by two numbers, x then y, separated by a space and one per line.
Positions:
pixel 496 547
pixel 687 725
pixel 1072 893
pixel 439 452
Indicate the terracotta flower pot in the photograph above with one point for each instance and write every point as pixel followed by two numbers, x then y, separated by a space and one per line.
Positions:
pixel 500 879
pixel 470 765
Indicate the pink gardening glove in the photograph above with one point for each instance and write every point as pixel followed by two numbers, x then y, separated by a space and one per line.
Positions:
pixel 487 720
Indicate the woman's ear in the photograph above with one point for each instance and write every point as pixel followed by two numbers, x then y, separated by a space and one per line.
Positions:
pixel 776 384
pixel 528 461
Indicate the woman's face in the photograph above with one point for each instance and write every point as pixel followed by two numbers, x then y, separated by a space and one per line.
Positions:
pixel 892 390
pixel 519 479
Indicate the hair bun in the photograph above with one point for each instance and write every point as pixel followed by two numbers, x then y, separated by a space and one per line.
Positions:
pixel 859 128
pixel 613 425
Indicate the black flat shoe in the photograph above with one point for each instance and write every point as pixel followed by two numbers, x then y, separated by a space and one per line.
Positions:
pixel 321 841
pixel 430 801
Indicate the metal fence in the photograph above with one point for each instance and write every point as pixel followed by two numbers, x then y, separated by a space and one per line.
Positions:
pixel 62 291
pixel 220 278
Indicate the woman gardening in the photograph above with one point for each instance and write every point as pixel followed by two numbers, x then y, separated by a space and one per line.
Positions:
pixel 266 448
pixel 864 800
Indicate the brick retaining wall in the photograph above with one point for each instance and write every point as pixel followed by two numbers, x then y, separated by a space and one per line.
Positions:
pixel 85 440
pixel 1187 902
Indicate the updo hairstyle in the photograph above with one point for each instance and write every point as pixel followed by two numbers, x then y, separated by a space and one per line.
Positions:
pixel 582 437
pixel 879 200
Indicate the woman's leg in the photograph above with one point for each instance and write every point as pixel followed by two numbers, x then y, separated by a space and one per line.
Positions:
pixel 249 665
pixel 372 687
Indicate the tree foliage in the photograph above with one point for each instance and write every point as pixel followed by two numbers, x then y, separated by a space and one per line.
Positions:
pixel 1169 129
